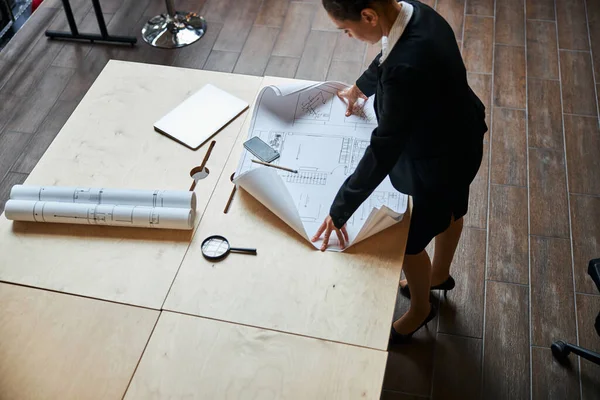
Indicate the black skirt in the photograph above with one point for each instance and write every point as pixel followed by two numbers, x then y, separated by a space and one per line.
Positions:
pixel 433 211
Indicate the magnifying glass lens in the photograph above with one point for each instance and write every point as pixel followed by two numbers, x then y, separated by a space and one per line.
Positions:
pixel 215 247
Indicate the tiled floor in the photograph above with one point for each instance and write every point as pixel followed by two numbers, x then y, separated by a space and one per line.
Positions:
pixel 534 218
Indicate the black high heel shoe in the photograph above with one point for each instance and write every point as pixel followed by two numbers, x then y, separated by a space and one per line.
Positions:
pixel 448 284
pixel 399 338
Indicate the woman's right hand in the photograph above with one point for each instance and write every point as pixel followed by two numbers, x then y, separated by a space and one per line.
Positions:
pixel 350 97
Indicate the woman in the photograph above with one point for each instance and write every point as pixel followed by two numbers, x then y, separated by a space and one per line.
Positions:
pixel 429 139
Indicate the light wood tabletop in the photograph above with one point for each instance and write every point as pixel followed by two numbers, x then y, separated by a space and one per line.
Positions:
pixel 197 358
pixel 289 286
pixel 57 346
pixel 109 141
pixel 291 322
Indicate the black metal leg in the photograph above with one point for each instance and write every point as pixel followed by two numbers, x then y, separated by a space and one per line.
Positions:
pixel 70 17
pixel 75 35
pixel 561 351
pixel 100 18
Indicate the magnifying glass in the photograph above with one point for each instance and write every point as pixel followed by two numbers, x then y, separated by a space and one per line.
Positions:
pixel 217 247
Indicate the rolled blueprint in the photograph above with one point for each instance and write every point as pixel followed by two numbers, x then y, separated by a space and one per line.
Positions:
pixel 100 214
pixel 146 198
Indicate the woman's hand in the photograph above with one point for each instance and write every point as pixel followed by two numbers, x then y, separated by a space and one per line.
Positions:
pixel 327 226
pixel 350 96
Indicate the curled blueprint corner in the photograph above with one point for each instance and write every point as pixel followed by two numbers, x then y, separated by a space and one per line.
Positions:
pixel 268 188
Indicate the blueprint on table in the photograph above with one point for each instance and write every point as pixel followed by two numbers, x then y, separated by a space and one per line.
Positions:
pixel 306 123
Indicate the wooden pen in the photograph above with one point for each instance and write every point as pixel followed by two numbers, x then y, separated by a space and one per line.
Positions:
pixel 295 171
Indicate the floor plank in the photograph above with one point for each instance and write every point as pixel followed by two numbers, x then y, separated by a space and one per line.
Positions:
pixel 509 147
pixel 462 312
pixel 478 44
pixel 587 312
pixel 540 9
pixel 11 145
pixel 317 55
pixel 7 104
pixel 33 68
pixel 551 380
pixel 44 51
pixel 549 211
pixel 508 259
pixel 32 111
pixel 552 301
pixel 545 124
pixel 577 83
pixel 583 141
pixel 344 71
pixel 478 194
pixel 295 31
pixel 237 26
pixel 585 212
pixel 6 184
pixel 572 25
pixel 19 47
pixel 454 12
pixel 44 136
pixel 157 7
pixel 542 50
pixel 509 80
pixel 255 55
pixel 593 14
pixel 322 22
pixel 457 383
pixel 217 10
pixel 349 49
pixel 221 61
pixel 510 22
pixel 284 67
pixel 272 13
pixel 480 7
pixel 506 351
pixel 130 11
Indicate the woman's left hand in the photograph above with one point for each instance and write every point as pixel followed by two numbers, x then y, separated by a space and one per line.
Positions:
pixel 327 227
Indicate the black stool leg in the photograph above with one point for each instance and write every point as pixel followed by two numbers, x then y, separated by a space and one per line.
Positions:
pixel 75 35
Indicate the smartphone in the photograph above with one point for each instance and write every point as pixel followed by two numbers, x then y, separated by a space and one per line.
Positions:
pixel 261 150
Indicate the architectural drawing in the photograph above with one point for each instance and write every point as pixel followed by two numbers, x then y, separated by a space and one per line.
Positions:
pixel 313 136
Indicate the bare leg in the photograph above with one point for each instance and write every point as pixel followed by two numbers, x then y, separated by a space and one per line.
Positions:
pixel 417 269
pixel 445 246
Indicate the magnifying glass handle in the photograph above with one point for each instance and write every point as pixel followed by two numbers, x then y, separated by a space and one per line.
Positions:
pixel 242 250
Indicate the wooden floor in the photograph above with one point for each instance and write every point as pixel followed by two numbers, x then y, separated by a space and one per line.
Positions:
pixel 534 219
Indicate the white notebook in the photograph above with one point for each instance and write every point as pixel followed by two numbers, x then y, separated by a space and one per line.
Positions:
pixel 200 116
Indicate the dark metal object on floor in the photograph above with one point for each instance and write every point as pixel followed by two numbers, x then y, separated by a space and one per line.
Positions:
pixel 92 37
pixel 561 349
pixel 174 29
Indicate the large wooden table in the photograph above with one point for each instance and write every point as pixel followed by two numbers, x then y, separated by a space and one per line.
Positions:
pixel 291 322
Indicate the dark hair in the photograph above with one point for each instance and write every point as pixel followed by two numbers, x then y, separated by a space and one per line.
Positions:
pixel 349 9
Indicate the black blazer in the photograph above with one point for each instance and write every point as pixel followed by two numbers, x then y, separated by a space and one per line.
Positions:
pixel 430 123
